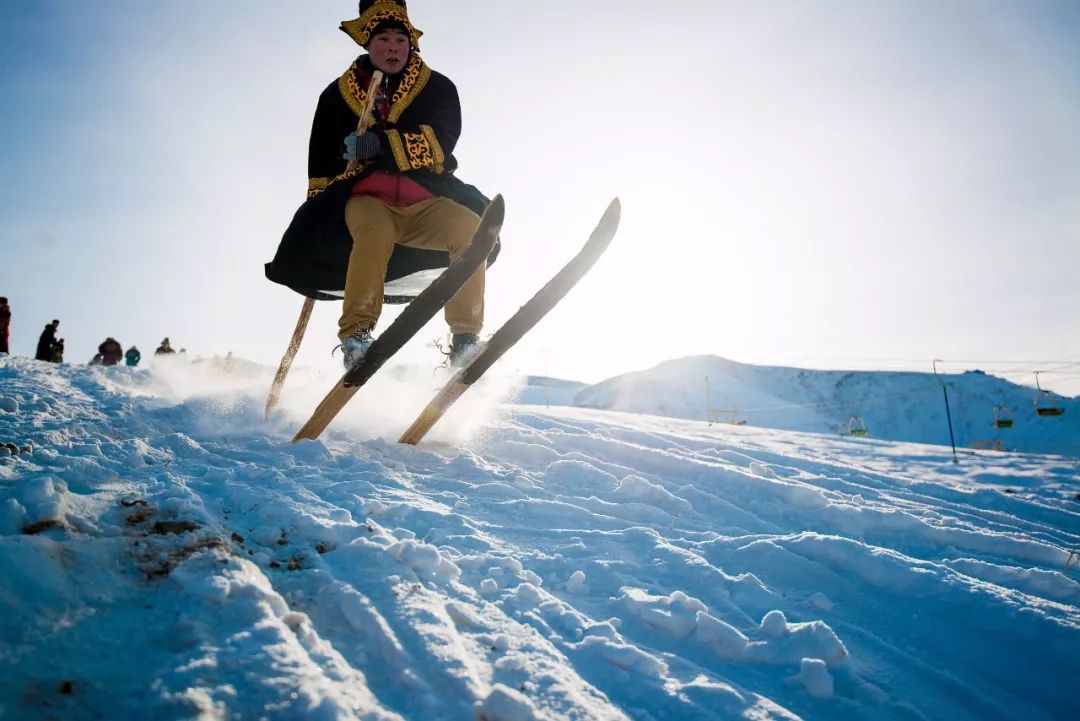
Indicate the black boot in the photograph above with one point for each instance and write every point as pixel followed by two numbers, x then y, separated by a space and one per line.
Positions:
pixel 354 346
pixel 463 346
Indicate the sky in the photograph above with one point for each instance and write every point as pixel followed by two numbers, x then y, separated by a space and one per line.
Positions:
pixel 168 555
pixel 815 183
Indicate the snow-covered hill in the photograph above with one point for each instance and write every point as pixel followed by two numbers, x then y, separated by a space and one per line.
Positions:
pixel 891 405
pixel 166 555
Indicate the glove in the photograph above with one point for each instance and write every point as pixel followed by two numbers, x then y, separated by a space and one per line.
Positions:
pixel 359 148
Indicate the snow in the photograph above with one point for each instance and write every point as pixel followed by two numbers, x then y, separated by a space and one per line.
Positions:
pixel 505 704
pixel 815 678
pixel 166 554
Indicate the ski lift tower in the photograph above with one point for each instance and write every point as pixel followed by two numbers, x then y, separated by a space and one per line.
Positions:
pixel 948 413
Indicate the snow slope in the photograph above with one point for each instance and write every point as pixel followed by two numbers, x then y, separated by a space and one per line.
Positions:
pixel 542 391
pixel 166 555
pixel 896 406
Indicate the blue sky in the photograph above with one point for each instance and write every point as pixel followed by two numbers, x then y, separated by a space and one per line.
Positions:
pixel 835 184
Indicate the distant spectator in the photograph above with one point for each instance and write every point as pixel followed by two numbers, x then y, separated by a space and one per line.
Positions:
pixel 58 351
pixel 5 324
pixel 164 348
pixel 133 356
pixel 111 352
pixel 45 342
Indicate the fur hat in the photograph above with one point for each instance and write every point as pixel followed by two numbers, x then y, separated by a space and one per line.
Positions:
pixel 376 15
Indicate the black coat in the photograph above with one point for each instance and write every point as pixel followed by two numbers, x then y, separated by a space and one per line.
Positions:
pixel 45 344
pixel 417 132
pixel 5 326
pixel 111 352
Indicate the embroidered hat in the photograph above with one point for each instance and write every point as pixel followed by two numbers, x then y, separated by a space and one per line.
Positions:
pixel 376 15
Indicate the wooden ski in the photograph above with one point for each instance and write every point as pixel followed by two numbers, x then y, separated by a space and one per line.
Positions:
pixel 517 326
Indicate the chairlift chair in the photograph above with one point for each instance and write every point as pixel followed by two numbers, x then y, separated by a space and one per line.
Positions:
pixel 1046 401
pixel 1053 409
pixel 1002 417
pixel 856 427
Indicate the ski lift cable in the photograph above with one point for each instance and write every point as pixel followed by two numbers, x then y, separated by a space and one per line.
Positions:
pixel 1005 361
pixel 1024 367
pixel 1019 375
pixel 918 365
pixel 921 361
pixel 1061 367
pixel 1060 374
pixel 1013 373
pixel 952 366
pixel 1058 377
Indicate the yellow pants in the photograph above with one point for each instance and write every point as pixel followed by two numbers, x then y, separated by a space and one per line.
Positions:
pixel 434 224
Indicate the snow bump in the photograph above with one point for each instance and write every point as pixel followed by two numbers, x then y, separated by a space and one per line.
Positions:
pixel 505 704
pixel 815 678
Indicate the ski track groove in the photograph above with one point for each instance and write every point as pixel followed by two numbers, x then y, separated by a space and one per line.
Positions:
pixel 999 518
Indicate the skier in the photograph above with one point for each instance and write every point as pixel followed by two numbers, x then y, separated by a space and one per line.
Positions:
pixel 45 342
pixel 5 324
pixel 165 348
pixel 133 356
pixel 402 207
pixel 111 351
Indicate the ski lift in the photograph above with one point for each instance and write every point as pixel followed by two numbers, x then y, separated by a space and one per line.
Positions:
pixel 855 427
pixel 1002 417
pixel 715 415
pixel 1046 401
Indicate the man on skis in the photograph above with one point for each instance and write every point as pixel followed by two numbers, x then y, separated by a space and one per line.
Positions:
pixel 401 209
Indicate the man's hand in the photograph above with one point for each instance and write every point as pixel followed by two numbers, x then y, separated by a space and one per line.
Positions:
pixel 359 148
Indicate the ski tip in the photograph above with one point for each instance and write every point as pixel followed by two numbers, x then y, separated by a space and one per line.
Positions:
pixel 613 213
pixel 495 212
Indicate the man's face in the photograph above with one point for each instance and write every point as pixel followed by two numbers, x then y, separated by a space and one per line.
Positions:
pixel 389 50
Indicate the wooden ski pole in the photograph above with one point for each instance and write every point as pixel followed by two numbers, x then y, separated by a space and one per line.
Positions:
pixel 369 103
pixel 290 354
pixel 309 303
